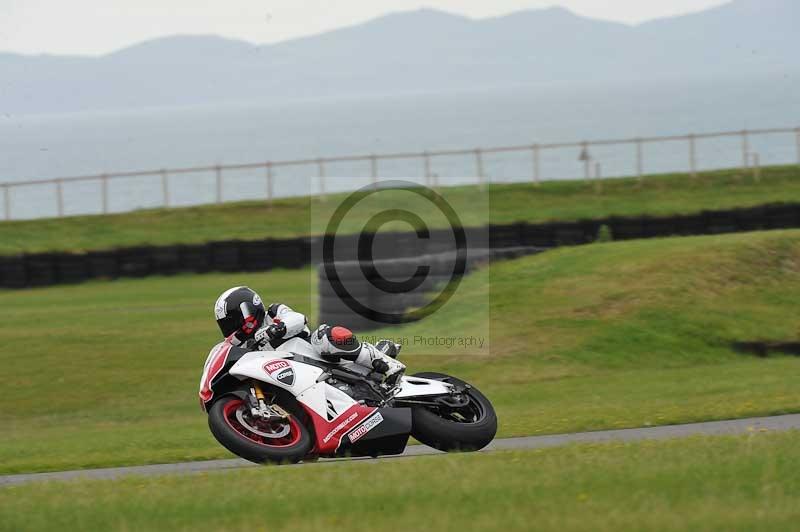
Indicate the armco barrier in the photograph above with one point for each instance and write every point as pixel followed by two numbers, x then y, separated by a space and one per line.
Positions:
pixel 237 256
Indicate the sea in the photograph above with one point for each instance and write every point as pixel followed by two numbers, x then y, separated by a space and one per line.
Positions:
pixel 39 146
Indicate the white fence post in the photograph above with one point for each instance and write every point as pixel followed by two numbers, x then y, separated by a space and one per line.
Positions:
pixel 165 187
pixel 104 192
pixel 586 157
pixel 60 197
pixel 218 179
pixel 692 155
pixel 7 202
pixel 479 168
pixel 537 174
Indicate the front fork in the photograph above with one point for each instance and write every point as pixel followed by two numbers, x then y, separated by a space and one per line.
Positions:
pixel 259 407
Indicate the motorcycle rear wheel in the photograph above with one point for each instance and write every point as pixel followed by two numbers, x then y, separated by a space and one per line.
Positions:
pixel 225 421
pixel 469 430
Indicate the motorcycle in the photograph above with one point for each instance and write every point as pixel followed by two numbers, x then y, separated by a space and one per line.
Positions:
pixel 289 405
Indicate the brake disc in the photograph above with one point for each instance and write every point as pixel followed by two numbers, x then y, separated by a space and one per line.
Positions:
pixel 246 424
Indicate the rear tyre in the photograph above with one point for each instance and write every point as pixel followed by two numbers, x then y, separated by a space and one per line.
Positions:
pixel 233 426
pixel 467 429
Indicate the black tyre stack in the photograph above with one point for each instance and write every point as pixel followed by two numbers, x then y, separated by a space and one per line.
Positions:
pixel 43 269
pixel 363 300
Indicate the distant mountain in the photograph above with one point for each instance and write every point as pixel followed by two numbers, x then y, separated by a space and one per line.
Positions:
pixel 411 51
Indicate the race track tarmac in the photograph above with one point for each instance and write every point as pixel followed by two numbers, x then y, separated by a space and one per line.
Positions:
pixel 736 426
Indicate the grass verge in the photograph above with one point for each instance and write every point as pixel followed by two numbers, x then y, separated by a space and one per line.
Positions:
pixel 702 483
pixel 593 337
pixel 562 201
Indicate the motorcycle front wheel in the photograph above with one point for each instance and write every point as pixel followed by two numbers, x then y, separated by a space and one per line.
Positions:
pixel 281 442
pixel 469 428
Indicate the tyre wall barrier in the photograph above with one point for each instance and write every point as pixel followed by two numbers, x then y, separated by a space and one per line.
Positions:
pixel 71 268
pixel 358 299
pixel 166 260
pixel 101 265
pixel 43 269
pixel 195 258
pixel 13 272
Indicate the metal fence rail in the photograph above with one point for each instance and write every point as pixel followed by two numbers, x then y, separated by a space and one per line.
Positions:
pixel 591 166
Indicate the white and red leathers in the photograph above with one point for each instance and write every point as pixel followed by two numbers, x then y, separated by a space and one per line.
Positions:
pixel 334 344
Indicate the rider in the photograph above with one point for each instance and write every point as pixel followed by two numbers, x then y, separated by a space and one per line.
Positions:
pixel 243 320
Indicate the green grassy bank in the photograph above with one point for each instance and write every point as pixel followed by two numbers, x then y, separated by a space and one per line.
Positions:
pixel 593 337
pixel 562 201
pixel 722 483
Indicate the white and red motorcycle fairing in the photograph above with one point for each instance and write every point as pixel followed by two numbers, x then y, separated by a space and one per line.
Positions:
pixel 337 423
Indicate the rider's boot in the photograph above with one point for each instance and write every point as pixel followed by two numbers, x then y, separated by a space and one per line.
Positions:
pixel 339 342
pixel 391 369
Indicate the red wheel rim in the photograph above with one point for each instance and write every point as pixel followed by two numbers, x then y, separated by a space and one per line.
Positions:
pixel 229 413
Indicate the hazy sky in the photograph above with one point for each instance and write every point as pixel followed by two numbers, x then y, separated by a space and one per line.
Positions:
pixel 100 26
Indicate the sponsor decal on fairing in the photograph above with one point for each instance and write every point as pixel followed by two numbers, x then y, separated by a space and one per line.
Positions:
pixel 286 377
pixel 338 428
pixel 365 427
pixel 281 371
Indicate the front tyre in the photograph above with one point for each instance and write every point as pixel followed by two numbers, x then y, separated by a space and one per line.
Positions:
pixel 279 442
pixel 469 428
